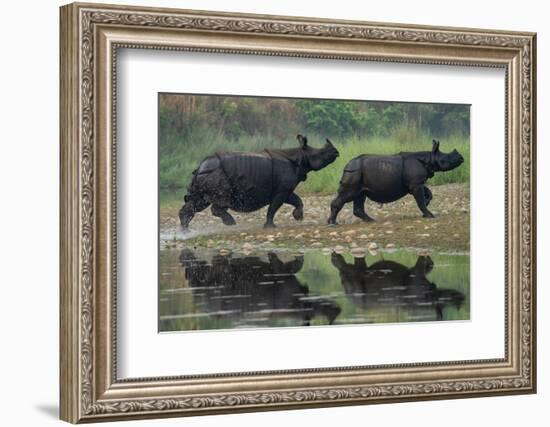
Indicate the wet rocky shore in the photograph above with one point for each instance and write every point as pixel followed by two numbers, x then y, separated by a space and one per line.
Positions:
pixel 397 225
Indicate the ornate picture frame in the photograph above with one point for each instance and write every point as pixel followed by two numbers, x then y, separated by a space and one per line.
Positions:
pixel 90 37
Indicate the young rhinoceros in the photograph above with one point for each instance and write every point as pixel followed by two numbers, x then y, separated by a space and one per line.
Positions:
pixel 385 179
pixel 248 181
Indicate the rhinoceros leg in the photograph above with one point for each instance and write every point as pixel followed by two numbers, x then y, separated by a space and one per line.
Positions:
pixel 427 195
pixel 276 203
pixel 420 196
pixel 344 196
pixel 222 213
pixel 189 209
pixel 359 208
pixel 338 261
pixel 298 212
pixel 439 311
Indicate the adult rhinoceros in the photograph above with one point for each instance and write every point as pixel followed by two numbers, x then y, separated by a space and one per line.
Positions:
pixel 248 181
pixel 385 179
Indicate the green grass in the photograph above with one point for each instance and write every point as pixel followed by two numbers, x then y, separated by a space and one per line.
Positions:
pixel 179 157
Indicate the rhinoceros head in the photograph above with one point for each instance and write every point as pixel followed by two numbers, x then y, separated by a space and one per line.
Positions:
pixel 318 158
pixel 445 161
pixel 424 265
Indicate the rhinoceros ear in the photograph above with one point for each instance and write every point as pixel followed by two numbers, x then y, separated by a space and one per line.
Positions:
pixel 435 146
pixel 329 142
pixel 302 139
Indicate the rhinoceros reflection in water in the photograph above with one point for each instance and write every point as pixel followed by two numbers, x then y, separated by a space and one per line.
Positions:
pixel 389 283
pixel 252 291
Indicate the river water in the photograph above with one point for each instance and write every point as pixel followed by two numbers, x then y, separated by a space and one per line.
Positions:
pixel 201 289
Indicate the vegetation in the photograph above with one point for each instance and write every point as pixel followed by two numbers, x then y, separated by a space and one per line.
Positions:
pixel 191 127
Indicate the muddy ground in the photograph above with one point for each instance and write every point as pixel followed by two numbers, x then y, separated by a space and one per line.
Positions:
pixel 398 225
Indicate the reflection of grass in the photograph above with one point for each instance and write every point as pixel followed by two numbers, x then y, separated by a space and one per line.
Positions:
pixel 179 158
pixel 450 272
pixel 322 279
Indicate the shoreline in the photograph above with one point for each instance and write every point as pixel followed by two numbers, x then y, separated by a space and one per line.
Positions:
pixel 398 225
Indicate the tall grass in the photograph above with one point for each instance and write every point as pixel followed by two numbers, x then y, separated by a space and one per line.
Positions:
pixel 179 157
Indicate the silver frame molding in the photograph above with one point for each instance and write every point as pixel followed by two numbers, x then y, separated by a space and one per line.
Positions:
pixel 90 37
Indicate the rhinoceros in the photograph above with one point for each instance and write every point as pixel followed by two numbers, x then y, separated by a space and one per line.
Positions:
pixel 248 181
pixel 387 178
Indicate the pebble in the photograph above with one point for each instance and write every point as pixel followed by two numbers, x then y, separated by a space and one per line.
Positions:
pixel 326 251
pixel 316 245
pixel 339 249
pixel 225 252
pixel 348 239
pixel 390 246
pixel 404 216
pixel 373 246
pixel 358 252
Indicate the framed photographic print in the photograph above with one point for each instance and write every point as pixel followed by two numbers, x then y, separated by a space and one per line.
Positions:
pixel 265 212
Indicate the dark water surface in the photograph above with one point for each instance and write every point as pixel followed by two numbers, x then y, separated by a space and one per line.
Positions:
pixel 202 290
